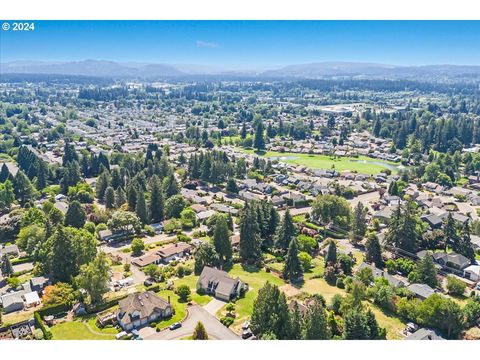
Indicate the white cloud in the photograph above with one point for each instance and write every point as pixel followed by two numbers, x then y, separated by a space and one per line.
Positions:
pixel 206 44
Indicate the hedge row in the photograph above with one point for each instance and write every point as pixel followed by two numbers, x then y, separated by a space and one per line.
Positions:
pixel 47 335
pixel 54 309
pixel 106 305
pixel 22 260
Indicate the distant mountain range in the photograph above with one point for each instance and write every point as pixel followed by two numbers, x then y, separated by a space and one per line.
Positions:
pixel 321 70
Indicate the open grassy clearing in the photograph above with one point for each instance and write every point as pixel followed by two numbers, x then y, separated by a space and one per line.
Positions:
pixel 361 164
pixel 76 330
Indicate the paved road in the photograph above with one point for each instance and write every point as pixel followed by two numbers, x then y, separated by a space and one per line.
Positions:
pixel 196 313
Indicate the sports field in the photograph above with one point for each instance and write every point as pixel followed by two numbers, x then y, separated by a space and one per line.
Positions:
pixel 361 164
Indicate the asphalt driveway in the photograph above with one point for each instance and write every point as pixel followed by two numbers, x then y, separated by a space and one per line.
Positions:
pixel 196 313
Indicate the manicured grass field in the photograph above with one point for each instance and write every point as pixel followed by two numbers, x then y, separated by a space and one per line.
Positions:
pixel 76 330
pixel 191 282
pixel 180 309
pixel 361 164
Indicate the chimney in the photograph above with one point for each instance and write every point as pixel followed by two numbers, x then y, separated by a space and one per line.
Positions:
pixel 168 299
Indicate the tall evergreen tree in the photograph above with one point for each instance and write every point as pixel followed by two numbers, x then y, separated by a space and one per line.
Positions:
pixel 75 215
pixel 23 188
pixel 4 173
pixel 131 197
pixel 286 231
pixel 293 268
pixel 296 322
pixel 63 265
pixel 200 333
pixel 42 175
pixel 221 240
pixel 6 266
pixel 316 327
pixel 141 209
pixel 243 131
pixel 427 274
pixel 110 198
pixel 355 325
pixel 103 181
pixel 402 229
pixel 359 223
pixel 259 140
pixel 156 201
pixel 464 245
pixel 249 235
pixel 170 186
pixel 374 250
pixel 120 197
pixel 331 257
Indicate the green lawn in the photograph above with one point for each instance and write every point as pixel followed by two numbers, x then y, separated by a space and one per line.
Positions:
pixel 180 309
pixel 362 164
pixel 76 330
pixel 390 322
pixel 318 266
pixel 320 286
pixel 255 279
pixel 191 282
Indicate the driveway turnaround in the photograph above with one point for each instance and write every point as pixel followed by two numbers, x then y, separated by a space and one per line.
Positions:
pixel 214 305
pixel 196 313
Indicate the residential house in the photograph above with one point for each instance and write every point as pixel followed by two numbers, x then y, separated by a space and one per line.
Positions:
pixel 10 250
pixel 425 334
pixel 31 299
pixel 432 220
pixel 378 273
pixel 12 302
pixel 219 284
pixel 453 260
pixel 39 283
pixel 177 250
pixel 472 272
pixel 421 291
pixel 138 310
pixel 147 259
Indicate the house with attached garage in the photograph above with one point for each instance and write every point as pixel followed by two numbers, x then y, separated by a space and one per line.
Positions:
pixel 138 310
pixel 174 251
pixel 472 272
pixel 219 284
pixel 452 260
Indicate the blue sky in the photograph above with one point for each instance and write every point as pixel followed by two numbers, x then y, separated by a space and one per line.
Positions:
pixel 248 43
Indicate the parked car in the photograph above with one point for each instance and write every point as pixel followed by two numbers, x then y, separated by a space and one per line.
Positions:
pixel 246 334
pixel 148 282
pixel 478 286
pixel 246 325
pixel 175 326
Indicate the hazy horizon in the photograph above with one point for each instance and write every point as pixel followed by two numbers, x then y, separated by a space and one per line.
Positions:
pixel 247 44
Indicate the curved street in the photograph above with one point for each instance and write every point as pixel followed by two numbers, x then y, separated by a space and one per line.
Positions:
pixel 215 329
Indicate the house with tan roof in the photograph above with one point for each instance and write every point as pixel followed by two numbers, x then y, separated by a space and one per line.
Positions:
pixel 140 309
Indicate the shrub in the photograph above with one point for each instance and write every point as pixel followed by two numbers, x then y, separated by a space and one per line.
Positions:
pixel 455 286
pixel 336 303
pixel 330 275
pixel 227 321
pixel 305 260
pixel 340 284
pixel 183 292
